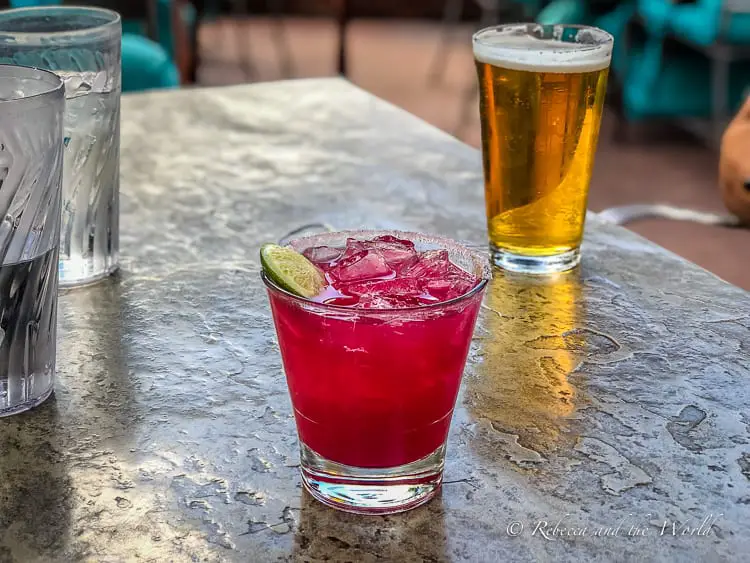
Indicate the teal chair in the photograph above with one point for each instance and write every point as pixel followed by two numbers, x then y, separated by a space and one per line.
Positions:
pixel 33 3
pixel 702 22
pixel 164 32
pixel 692 61
pixel 616 24
pixel 146 65
pixel 675 85
pixel 564 12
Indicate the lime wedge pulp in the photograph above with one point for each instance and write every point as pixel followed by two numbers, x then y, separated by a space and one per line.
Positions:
pixel 291 271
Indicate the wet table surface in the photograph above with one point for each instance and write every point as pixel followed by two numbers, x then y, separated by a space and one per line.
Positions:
pixel 604 414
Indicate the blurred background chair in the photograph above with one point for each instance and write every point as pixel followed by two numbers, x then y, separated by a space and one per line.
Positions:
pixel 166 22
pixel 33 3
pixel 146 65
pixel 687 62
pixel 214 10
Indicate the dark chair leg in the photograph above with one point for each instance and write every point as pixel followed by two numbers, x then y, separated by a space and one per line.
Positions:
pixel 343 20
pixel 620 135
pixel 195 61
pixel 469 107
pixel 469 104
pixel 451 17
pixel 242 39
pixel 615 102
pixel 280 38
pixel 719 96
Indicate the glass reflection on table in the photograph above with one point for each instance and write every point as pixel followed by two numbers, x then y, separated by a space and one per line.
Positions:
pixel 530 341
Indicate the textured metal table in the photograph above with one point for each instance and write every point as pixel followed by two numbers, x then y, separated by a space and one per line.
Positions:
pixel 611 403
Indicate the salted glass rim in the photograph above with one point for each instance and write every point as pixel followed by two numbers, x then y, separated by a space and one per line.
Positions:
pixel 481 263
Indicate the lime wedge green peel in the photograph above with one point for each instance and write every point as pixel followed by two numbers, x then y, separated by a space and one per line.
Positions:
pixel 291 271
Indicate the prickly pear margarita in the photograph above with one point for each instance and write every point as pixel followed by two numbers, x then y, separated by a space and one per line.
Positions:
pixel 373 357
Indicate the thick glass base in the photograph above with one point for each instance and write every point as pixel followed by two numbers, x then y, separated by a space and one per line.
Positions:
pixel 535 264
pixel 372 490
pixel 78 272
pixel 17 408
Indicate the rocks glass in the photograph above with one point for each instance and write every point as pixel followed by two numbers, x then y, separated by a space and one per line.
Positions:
pixel 373 390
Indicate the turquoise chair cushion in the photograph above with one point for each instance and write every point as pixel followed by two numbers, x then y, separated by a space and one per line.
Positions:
pixel 699 22
pixel 164 23
pixel 146 65
pixel 32 3
pixel 655 15
pixel 679 88
pixel 134 27
pixel 563 12
pixel 615 23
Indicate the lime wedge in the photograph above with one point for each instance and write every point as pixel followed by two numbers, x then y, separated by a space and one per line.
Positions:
pixel 290 270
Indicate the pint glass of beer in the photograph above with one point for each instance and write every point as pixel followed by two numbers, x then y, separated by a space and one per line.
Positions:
pixel 541 97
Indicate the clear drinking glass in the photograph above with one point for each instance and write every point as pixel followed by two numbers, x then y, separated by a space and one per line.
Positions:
pixel 31 159
pixel 373 391
pixel 542 93
pixel 81 45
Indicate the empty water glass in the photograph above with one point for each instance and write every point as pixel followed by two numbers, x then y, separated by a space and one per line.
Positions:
pixel 81 45
pixel 31 147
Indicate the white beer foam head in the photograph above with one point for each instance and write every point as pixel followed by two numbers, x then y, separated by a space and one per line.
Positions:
pixel 538 48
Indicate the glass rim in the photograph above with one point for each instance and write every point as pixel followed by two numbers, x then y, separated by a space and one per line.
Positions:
pixel 484 280
pixel 113 17
pixel 55 83
pixel 589 55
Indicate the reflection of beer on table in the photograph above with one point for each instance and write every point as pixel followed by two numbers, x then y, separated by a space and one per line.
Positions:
pixel 525 383
pixel 541 106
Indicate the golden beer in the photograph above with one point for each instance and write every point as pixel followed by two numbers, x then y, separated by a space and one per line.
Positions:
pixel 541 98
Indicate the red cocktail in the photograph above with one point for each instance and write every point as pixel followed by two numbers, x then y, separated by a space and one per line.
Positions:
pixel 375 361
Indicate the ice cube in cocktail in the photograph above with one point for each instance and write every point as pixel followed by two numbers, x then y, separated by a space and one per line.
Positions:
pixel 374 362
